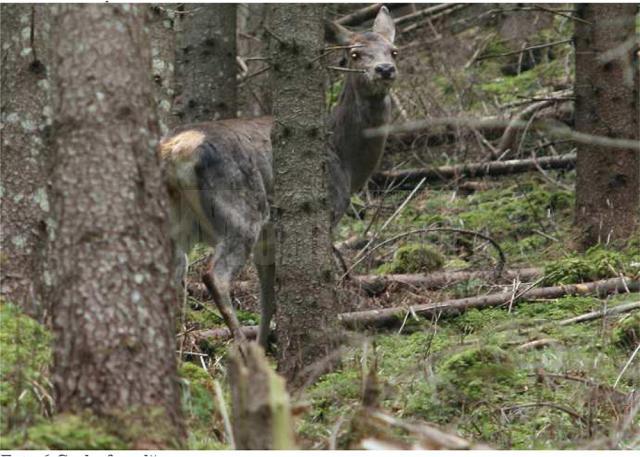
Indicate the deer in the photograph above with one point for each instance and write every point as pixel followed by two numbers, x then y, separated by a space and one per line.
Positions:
pixel 220 177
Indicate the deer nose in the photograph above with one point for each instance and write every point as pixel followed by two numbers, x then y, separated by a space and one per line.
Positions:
pixel 386 70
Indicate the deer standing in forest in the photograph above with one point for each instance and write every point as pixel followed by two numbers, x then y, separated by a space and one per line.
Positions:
pixel 220 175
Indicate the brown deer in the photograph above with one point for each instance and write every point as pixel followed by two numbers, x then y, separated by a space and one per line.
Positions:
pixel 220 174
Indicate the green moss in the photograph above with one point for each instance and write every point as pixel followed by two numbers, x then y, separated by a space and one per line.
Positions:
pixel 475 320
pixel 414 258
pixel 65 432
pixel 474 375
pixel 626 333
pixel 596 263
pixel 24 369
pixel 560 308
pixel 333 92
pixel 198 394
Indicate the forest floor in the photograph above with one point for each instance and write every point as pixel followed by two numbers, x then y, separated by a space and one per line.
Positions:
pixel 474 374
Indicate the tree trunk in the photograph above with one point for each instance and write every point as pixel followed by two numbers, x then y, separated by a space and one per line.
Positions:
pixel 260 402
pixel 306 318
pixel 255 97
pixel 206 63
pixel 26 119
pixel 163 56
pixel 112 293
pixel 607 104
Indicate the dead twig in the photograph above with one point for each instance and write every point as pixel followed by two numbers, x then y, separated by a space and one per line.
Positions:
pixel 529 48
pixel 345 70
pixel 570 411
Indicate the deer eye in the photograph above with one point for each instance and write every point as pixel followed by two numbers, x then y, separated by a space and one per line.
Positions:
pixel 355 55
pixel 394 53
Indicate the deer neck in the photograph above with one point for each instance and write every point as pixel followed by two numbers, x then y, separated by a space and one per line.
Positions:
pixel 357 111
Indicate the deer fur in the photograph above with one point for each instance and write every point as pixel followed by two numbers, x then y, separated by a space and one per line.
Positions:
pixel 220 175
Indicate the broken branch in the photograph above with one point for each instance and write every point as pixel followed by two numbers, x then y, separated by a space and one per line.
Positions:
pixel 408 178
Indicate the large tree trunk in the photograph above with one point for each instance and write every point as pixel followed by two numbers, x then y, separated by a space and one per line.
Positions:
pixel 112 293
pixel 306 317
pixel 607 104
pixel 23 175
pixel 206 63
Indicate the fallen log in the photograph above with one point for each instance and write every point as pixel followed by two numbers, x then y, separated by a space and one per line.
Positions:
pixel 390 316
pixel 407 179
pixel 376 284
pixel 250 332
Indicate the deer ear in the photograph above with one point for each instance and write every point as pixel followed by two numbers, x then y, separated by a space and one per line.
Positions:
pixel 335 33
pixel 384 24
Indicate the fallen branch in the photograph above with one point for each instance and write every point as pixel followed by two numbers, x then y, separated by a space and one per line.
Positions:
pixel 553 129
pixel 409 178
pixel 250 332
pixel 428 436
pixel 530 48
pixel 570 411
pixel 390 316
pixel 423 13
pixel 422 23
pixel 598 314
pixel 375 284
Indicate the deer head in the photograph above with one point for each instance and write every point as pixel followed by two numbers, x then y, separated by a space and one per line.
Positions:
pixel 373 53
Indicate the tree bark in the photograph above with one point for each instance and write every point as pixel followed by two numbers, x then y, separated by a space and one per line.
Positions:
pixel 305 318
pixel 260 402
pixel 206 63
pixel 26 119
pixel 254 98
pixel 607 104
pixel 163 56
pixel 112 294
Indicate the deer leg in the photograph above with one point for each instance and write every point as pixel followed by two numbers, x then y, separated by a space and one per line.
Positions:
pixel 217 278
pixel 265 261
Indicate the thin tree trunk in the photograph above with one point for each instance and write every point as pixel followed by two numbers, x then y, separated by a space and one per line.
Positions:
pixel 206 63
pixel 607 104
pixel 306 316
pixel 112 294
pixel 163 56
pixel 26 119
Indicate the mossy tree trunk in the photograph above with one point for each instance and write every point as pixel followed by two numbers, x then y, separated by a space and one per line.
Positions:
pixel 112 294
pixel 306 318
pixel 206 62
pixel 607 104
pixel 24 98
